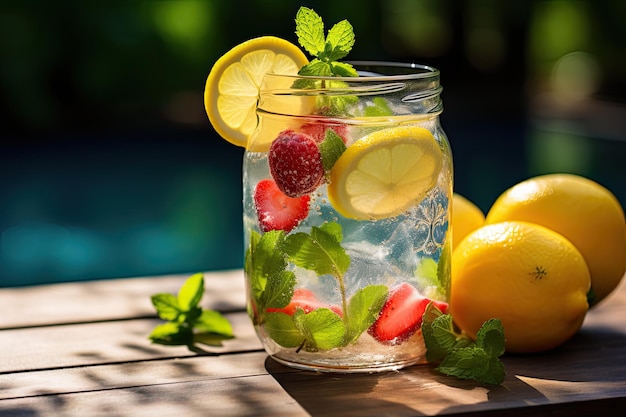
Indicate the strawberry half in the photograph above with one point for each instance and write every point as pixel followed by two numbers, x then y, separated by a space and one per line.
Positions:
pixel 295 163
pixel 317 130
pixel 275 210
pixel 305 300
pixel 401 315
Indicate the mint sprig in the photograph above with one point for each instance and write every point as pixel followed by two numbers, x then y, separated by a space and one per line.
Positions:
pixel 187 323
pixel 457 355
pixel 327 50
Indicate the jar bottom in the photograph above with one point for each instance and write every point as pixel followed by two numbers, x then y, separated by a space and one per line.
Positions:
pixel 347 367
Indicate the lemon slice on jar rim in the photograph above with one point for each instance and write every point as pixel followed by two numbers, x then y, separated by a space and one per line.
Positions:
pixel 385 173
pixel 232 88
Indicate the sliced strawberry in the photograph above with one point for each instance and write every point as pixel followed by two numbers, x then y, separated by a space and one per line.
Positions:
pixel 317 130
pixel 275 210
pixel 295 163
pixel 401 315
pixel 305 300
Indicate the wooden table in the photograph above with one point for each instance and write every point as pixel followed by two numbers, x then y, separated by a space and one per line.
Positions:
pixel 81 349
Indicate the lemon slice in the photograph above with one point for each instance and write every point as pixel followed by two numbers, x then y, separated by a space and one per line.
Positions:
pixel 385 173
pixel 231 93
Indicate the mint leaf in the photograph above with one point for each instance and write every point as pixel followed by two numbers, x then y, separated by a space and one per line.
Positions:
pixel 327 50
pixel 339 41
pixel 457 354
pixel 363 310
pixel 282 329
pixel 166 306
pixel 310 31
pixel 490 337
pixel 278 291
pixel 474 363
pixel 211 321
pixel 170 334
pixel 343 69
pixel 380 108
pixel 439 337
pixel 426 273
pixel 271 285
pixel 191 292
pixel 443 269
pixel 316 68
pixel 264 258
pixel 331 148
pixel 321 328
pixel 183 316
pixel 319 251
pixel 191 316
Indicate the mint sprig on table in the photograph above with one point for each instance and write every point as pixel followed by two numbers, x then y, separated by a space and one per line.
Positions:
pixel 187 322
pixel 457 355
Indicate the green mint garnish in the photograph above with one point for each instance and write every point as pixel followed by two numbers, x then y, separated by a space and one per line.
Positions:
pixel 426 273
pixel 265 262
pixel 433 276
pixel 379 108
pixel 457 355
pixel 363 310
pixel 321 328
pixel 327 50
pixel 282 329
pixel 187 323
pixel 319 251
pixel 331 149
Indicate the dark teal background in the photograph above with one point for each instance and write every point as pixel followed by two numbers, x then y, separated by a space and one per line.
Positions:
pixel 109 167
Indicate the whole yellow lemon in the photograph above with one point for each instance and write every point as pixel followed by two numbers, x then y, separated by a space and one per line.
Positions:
pixel 466 217
pixel 583 211
pixel 530 277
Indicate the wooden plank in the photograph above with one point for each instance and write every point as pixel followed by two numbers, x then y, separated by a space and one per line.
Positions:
pixel 110 299
pixel 254 395
pixel 101 343
pixel 419 390
pixel 126 340
pixel 131 374
pixel 252 384
pixel 110 368
pixel 587 372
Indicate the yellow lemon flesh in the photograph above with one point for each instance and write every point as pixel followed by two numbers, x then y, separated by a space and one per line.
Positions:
pixel 530 277
pixel 466 217
pixel 385 173
pixel 232 89
pixel 580 209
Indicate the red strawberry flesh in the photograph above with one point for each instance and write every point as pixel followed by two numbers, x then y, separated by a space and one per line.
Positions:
pixel 317 130
pixel 295 163
pixel 401 315
pixel 275 210
pixel 306 300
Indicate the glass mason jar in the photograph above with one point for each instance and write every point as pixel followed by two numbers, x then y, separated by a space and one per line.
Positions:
pixel 347 186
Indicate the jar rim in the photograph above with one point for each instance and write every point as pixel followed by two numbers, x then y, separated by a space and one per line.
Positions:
pixel 377 71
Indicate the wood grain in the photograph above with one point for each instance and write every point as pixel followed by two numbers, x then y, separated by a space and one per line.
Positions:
pixel 77 360
pixel 110 299
pixel 92 344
